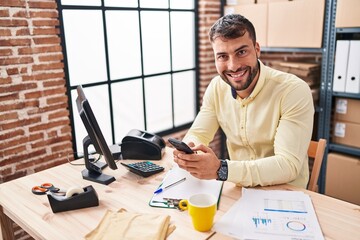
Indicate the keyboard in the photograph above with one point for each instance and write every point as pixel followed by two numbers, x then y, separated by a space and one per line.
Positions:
pixel 144 169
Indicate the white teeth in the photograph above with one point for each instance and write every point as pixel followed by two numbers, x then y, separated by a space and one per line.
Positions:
pixel 238 75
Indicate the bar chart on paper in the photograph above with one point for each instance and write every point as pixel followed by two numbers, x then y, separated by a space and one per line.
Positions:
pixel 275 223
pixel 261 221
pixel 280 215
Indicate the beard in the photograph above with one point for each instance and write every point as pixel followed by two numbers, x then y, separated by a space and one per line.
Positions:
pixel 252 74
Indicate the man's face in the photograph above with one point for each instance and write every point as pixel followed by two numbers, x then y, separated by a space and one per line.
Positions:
pixel 236 62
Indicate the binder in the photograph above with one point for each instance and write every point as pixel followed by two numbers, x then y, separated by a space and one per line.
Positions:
pixel 170 197
pixel 341 62
pixel 353 70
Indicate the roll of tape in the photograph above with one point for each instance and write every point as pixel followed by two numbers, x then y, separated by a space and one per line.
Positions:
pixel 72 191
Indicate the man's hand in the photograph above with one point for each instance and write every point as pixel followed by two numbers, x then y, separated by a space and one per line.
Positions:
pixel 203 164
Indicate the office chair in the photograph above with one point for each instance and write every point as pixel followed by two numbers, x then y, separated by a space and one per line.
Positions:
pixel 316 151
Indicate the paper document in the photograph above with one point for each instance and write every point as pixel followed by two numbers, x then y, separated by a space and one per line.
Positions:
pixel 184 189
pixel 271 214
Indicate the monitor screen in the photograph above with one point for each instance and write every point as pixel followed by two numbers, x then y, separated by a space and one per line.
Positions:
pixel 94 132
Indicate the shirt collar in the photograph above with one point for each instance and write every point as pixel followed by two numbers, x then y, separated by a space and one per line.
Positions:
pixel 233 92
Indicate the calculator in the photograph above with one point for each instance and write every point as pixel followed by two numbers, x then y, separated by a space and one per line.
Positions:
pixel 144 169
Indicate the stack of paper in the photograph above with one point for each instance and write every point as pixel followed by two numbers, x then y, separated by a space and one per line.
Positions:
pixel 271 214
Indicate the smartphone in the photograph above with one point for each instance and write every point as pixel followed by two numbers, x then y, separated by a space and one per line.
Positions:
pixel 181 146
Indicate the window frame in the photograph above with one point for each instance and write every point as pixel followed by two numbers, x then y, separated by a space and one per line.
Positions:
pixel 143 76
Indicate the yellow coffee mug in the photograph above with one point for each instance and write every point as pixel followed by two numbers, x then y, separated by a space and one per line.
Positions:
pixel 202 209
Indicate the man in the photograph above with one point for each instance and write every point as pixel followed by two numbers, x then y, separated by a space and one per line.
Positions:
pixel 266 115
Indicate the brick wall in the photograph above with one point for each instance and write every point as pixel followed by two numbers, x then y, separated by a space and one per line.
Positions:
pixel 35 131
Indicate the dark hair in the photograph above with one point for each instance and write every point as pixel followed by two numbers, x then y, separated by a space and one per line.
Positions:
pixel 232 26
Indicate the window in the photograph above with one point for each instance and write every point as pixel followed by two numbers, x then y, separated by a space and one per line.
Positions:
pixel 136 62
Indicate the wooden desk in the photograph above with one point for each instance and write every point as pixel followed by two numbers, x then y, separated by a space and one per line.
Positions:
pixel 132 192
pixel 338 219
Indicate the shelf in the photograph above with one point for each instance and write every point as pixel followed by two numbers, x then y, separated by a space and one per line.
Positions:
pixel 344 149
pixel 284 49
pixel 348 30
pixel 346 95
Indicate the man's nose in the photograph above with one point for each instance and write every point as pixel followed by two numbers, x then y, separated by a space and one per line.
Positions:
pixel 233 64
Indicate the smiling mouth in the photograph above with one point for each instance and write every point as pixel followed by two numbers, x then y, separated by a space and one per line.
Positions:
pixel 237 74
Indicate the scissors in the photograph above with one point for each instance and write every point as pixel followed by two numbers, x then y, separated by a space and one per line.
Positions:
pixel 44 188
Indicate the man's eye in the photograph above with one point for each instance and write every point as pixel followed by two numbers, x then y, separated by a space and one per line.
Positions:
pixel 222 57
pixel 240 53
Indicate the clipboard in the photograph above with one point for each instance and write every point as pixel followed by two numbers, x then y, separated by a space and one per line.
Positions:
pixel 192 185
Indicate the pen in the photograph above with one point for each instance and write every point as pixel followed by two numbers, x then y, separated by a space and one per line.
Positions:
pixel 159 190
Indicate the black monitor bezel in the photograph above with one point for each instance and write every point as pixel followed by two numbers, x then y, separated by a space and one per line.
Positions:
pixel 93 129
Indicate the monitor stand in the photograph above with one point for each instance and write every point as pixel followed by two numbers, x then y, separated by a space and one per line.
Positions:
pixel 99 164
pixel 96 177
pixel 93 172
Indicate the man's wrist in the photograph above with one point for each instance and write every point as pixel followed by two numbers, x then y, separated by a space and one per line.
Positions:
pixel 222 172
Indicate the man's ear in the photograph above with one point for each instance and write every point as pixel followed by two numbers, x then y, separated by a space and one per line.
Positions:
pixel 257 49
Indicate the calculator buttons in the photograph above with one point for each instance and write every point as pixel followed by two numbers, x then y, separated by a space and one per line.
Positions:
pixel 144 169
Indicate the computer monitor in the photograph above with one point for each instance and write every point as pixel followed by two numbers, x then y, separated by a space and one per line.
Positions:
pixel 95 138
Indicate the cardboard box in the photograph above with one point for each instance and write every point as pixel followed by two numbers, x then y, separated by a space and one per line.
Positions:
pixel 346 133
pixel 257 14
pixel 309 72
pixel 296 23
pixel 347 13
pixel 300 69
pixel 347 110
pixel 343 177
pixel 315 94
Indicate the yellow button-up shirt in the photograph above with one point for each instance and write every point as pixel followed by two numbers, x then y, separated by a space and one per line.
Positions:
pixel 268 133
